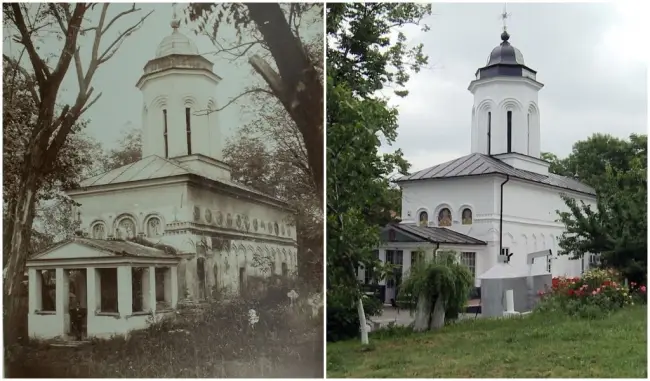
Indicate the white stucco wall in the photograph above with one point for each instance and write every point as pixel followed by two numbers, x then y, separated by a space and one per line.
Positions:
pixel 529 215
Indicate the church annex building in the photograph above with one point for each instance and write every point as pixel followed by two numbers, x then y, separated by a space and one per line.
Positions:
pixel 499 199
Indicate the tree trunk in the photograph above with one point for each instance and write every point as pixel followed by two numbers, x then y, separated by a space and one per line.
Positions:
pixel 362 321
pixel 21 230
pixel 422 313
pixel 301 90
pixel 438 316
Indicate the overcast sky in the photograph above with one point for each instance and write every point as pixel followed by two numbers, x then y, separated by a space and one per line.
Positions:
pixel 121 102
pixel 588 56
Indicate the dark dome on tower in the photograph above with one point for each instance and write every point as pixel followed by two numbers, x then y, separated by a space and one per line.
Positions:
pixel 505 60
pixel 505 53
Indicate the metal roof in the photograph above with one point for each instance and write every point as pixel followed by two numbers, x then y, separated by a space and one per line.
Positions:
pixel 117 247
pixel 154 167
pixel 437 235
pixel 479 164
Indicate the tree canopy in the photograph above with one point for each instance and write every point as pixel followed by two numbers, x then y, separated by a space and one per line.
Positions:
pixel 616 229
pixel 366 52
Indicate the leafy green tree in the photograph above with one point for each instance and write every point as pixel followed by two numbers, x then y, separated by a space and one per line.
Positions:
pixel 129 150
pixel 362 60
pixel 616 229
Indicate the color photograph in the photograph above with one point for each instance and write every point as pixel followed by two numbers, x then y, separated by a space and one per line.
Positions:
pixel 486 190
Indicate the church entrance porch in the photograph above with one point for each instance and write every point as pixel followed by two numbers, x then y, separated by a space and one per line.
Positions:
pixel 83 288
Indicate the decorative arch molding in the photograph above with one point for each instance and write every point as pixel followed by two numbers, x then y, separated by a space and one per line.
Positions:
pixel 98 223
pixel 533 109
pixel 425 210
pixel 510 104
pixel 486 105
pixel 189 100
pixel 461 211
pixel 439 209
pixel 145 222
pixel 159 102
pixel 119 223
pixel 212 104
pixel 543 242
pixel 508 236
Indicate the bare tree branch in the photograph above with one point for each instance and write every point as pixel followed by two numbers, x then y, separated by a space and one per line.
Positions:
pixel 233 100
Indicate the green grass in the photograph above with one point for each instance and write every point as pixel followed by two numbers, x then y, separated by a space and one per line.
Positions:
pixel 538 346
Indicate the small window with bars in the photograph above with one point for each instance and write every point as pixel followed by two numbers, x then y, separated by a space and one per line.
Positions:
pixel 469 260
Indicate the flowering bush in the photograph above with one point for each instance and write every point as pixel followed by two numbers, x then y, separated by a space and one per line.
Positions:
pixel 596 292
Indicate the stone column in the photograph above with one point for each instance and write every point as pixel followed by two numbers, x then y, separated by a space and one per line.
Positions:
pixel 149 289
pixel 35 290
pixel 407 259
pixel 62 301
pixel 168 283
pixel 382 258
pixel 173 278
pixel 124 291
pixel 92 291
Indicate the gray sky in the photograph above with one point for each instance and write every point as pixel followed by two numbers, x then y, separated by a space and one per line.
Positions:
pixel 589 57
pixel 121 101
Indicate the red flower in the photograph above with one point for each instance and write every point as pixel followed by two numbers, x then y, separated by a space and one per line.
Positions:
pixel 571 292
pixel 606 283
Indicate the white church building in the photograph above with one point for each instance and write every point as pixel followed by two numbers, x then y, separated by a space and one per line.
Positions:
pixel 173 226
pixel 500 198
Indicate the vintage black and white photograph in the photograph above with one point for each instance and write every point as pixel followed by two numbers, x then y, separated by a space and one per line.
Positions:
pixel 163 190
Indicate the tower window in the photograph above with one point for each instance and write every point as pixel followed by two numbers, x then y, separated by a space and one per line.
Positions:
pixel 188 130
pixel 528 138
pixel 165 134
pixel 489 134
pixel 509 131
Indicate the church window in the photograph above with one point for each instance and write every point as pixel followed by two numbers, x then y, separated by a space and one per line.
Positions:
pixel 467 216
pixel 509 131
pixel 154 228
pixel 469 260
pixel 126 228
pixel 424 218
pixel 165 134
pixel 99 231
pixel 444 217
pixel 200 273
pixel 242 280
pixel 285 269
pixel 489 134
pixel 188 130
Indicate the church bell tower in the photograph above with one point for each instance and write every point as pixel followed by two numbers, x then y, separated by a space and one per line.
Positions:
pixel 178 88
pixel 505 115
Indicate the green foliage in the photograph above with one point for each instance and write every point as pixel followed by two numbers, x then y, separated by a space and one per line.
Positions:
pixel 129 151
pixel 362 59
pixel 442 278
pixel 616 229
pixel 343 318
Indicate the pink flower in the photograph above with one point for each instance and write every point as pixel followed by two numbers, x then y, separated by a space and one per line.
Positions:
pixel 593 293
pixel 642 288
pixel 598 289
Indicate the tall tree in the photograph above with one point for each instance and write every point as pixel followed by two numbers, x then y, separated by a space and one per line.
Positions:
pixel 362 59
pixel 129 151
pixel 29 23
pixel 616 229
pixel 297 83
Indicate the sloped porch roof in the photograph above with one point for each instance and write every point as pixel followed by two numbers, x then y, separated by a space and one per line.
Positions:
pixel 414 233
pixel 87 252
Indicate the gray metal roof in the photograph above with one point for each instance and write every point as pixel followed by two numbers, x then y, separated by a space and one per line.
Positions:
pixel 154 167
pixel 437 235
pixel 479 164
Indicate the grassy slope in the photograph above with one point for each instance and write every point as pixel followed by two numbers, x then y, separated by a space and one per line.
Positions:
pixel 538 346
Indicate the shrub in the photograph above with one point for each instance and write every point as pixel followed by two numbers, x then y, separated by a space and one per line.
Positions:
pixel 598 292
pixel 343 318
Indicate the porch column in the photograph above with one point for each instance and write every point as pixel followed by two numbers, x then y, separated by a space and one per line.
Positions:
pixel 35 290
pixel 407 259
pixel 93 292
pixel 62 301
pixel 173 278
pixel 382 258
pixel 149 289
pixel 124 291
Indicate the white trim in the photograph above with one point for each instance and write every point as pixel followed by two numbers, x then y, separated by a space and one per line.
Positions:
pixel 74 263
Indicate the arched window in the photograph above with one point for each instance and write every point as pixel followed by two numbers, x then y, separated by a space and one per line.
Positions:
pixel 467 216
pixel 424 218
pixel 125 228
pixel 99 231
pixel 444 217
pixel 154 227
